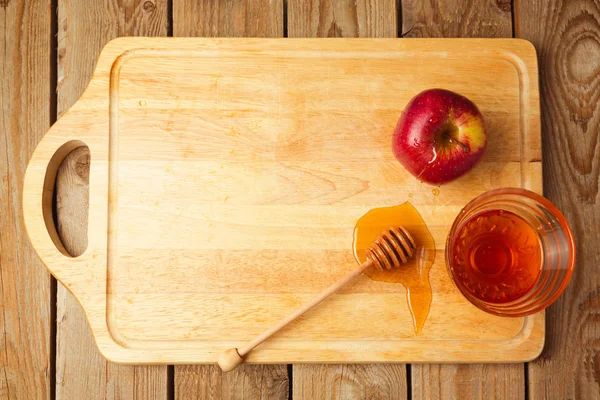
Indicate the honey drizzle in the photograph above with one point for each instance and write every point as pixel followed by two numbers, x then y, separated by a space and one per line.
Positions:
pixel 414 275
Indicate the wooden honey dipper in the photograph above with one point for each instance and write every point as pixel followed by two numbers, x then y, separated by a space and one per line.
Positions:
pixel 391 249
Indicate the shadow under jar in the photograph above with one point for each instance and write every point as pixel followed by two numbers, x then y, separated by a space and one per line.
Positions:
pixel 510 252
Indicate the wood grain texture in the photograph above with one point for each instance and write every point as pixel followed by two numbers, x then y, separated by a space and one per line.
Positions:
pixel 345 18
pixel 458 18
pixel 468 381
pixel 72 200
pixel 354 381
pixel 568 44
pixel 81 371
pixel 203 382
pixel 325 18
pixel 250 194
pixel 215 18
pixel 228 18
pixel 25 286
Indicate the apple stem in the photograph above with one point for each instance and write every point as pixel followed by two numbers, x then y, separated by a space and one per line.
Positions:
pixel 461 144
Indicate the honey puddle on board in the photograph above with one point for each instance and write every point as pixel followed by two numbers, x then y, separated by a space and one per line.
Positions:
pixel 414 275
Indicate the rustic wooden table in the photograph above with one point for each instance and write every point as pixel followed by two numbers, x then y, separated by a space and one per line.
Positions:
pixel 47 54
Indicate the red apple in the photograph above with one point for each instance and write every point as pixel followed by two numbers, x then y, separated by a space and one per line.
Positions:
pixel 440 136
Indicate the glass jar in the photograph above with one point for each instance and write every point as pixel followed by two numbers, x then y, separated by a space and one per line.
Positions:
pixel 510 252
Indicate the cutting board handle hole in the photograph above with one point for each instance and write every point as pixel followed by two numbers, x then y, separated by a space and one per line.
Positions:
pixel 66 210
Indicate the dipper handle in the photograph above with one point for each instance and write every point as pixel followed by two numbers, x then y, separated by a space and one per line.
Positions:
pixel 393 248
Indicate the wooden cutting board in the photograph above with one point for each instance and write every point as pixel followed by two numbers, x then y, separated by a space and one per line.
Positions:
pixel 226 179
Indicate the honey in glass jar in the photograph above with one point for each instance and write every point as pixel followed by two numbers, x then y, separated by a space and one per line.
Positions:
pixel 510 252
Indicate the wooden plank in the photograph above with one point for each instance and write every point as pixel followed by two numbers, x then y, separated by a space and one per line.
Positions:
pixel 200 382
pixel 342 18
pixel 468 381
pixel 568 45
pixel 228 18
pixel 457 18
pixel 350 381
pixel 215 18
pixel 83 29
pixel 25 285
pixel 72 201
pixel 348 18
pixel 460 18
